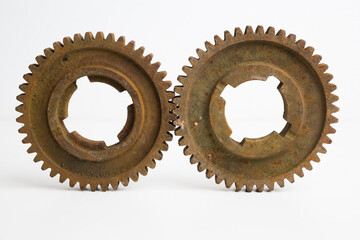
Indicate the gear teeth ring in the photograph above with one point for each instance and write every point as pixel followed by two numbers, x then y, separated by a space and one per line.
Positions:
pixel 49 87
pixel 237 58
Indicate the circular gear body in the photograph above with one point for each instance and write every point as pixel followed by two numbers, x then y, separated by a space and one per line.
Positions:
pixel 247 56
pixel 45 102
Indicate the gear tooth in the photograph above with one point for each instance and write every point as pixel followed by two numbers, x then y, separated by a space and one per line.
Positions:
pixel 259 30
pixel 67 41
pixel 125 182
pixel 270 31
pixel 143 171
pixel 57 46
pixel 238 186
pixel 281 33
pixel 158 155
pixel 316 59
pixel 237 32
pixel 208 46
pixel 249 187
pixel 131 44
pixel 22 129
pixel 228 183
pixel 181 79
pixel 186 69
pixel 156 66
pixel 162 74
pixel 321 149
pixel 249 30
pixel 104 186
pixel 323 67
pixel 332 87
pixel 21 98
pixel 78 37
pixel 327 140
pixel 52 173
pixel 209 173
pixel 89 36
pixel 227 35
pixel 292 37
pixel 24 87
pixel 121 40
pixel 72 182
pixel 182 141
pixel 308 166
pixel 328 77
pixel 333 98
pixel 194 159
pixel 135 176
pixel 259 187
pixel 281 182
pixel 152 164
pixel 21 119
pixel 333 119
pixel 299 172
pixel 20 108
pixel 217 40
pixel 218 180
pixel 48 52
pixel 331 130
pixel 334 108
pixel 193 61
pixel 200 167
pixel 168 136
pixel 44 166
pixel 187 151
pixel 164 146
pixel 140 50
pixel 115 185
pixel 290 178
pixel 40 59
pixel 309 51
pixel 27 77
pixel 83 185
pixel 93 186
pixel 179 131
pixel 300 43
pixel 62 178
pixel 37 158
pixel 179 89
pixel 270 185
pixel 315 158
pixel 33 68
pixel 148 57
pixel 167 84
pixel 200 52
pixel 110 37
pixel 26 140
pixel 99 36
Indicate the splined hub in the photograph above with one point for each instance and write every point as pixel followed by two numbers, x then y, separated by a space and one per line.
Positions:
pixel 308 101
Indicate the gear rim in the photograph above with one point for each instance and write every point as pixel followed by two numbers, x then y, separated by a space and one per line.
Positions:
pixel 184 127
pixel 139 61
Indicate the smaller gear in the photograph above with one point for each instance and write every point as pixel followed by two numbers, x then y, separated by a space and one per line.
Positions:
pixel 308 100
pixel 45 100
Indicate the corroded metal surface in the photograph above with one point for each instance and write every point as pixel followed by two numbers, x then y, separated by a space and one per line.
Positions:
pixel 308 102
pixel 45 101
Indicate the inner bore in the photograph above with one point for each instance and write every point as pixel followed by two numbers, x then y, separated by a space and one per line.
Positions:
pixel 97 111
pixel 254 109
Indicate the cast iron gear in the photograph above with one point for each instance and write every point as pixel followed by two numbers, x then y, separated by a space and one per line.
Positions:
pixel 44 107
pixel 308 102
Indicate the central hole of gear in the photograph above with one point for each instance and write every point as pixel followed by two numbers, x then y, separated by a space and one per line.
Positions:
pixel 254 109
pixel 97 111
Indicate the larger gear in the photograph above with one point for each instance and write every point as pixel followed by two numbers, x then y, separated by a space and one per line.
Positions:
pixel 48 91
pixel 246 56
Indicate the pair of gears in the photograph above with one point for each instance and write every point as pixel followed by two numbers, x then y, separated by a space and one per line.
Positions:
pixel 198 110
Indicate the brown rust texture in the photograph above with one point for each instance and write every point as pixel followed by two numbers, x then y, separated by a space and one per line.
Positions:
pixel 45 101
pixel 247 56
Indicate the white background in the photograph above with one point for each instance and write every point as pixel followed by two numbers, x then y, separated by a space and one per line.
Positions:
pixel 175 201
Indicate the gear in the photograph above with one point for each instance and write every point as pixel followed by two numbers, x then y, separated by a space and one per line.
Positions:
pixel 308 102
pixel 44 107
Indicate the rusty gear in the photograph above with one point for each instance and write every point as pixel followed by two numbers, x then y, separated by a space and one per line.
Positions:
pixel 308 102
pixel 44 107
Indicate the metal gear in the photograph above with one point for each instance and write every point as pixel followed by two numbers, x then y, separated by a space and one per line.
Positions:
pixel 44 107
pixel 308 102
